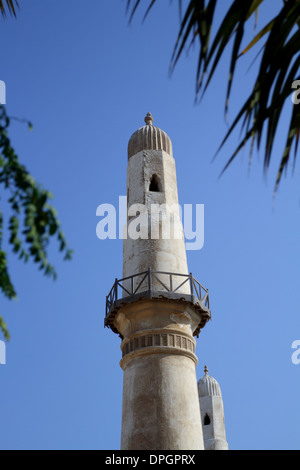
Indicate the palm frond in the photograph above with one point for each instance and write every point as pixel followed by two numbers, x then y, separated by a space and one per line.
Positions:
pixel 277 70
pixel 10 6
pixel 3 328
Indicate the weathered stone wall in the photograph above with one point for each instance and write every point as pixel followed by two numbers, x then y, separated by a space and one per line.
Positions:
pixel 161 251
pixel 160 396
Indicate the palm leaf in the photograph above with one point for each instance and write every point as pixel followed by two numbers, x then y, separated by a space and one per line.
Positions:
pixel 198 20
pixel 277 70
pixel 4 330
pixel 10 5
pixel 258 37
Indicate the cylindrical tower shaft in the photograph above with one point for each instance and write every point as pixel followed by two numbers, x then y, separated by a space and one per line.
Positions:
pixel 155 236
pixel 160 398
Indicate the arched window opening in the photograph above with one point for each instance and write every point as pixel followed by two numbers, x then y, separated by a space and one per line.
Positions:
pixel 155 184
pixel 207 420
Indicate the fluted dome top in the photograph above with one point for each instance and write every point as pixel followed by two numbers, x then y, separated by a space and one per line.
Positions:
pixel 208 386
pixel 149 137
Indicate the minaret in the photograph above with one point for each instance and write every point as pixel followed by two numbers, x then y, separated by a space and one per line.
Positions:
pixel 158 307
pixel 212 413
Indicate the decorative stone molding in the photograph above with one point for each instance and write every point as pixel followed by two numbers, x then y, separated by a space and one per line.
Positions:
pixel 158 341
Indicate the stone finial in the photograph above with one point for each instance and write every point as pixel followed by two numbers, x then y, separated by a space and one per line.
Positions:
pixel 149 119
pixel 206 370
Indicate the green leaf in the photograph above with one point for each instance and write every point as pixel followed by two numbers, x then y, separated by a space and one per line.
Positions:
pixel 3 328
pixel 33 222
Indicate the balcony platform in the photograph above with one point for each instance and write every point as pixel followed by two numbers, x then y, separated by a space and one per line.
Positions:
pixel 157 285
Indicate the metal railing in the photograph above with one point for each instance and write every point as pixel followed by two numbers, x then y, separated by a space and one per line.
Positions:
pixel 151 284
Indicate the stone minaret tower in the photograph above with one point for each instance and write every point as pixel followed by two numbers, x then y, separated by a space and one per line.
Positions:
pixel 212 413
pixel 158 307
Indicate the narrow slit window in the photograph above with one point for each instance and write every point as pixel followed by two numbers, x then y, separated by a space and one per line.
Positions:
pixel 155 184
pixel 207 420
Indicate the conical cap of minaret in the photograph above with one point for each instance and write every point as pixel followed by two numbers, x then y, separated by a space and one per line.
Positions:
pixel 208 386
pixel 155 237
pixel 149 137
pixel 212 413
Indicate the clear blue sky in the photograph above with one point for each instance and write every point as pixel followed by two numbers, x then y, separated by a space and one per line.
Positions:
pixel 86 80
